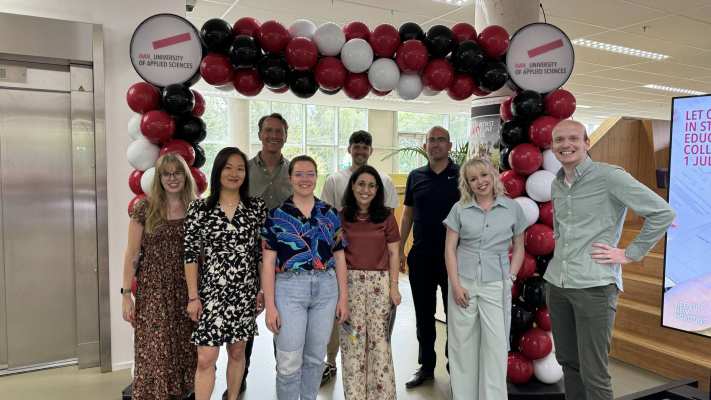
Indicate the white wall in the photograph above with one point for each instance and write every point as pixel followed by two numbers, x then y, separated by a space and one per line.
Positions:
pixel 119 19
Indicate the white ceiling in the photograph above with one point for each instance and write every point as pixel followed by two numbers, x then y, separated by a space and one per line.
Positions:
pixel 610 84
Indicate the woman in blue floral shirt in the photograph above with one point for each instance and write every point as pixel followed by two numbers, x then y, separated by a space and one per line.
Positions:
pixel 304 282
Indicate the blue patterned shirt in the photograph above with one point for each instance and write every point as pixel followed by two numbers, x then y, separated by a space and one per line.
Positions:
pixel 301 243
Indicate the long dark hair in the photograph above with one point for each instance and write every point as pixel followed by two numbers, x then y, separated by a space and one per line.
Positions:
pixel 377 212
pixel 217 167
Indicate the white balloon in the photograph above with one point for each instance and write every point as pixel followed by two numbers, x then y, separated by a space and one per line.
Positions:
pixel 302 28
pixel 134 126
pixel 384 74
pixel 142 154
pixel 147 180
pixel 530 209
pixel 409 86
pixel 357 55
pixel 547 369
pixel 329 39
pixel 538 185
pixel 550 163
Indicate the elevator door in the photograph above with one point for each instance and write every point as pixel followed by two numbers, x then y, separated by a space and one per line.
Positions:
pixel 37 275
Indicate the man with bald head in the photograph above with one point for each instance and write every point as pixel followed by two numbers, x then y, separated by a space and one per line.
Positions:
pixel 430 193
pixel 590 200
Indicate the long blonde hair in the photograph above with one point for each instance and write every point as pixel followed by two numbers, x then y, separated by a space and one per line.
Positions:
pixel 157 200
pixel 466 193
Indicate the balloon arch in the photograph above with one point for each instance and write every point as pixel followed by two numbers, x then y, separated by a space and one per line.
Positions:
pixel 303 58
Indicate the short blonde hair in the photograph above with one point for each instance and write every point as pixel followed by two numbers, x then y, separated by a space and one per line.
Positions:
pixel 466 193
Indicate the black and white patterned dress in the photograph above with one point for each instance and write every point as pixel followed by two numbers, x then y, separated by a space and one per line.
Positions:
pixel 228 277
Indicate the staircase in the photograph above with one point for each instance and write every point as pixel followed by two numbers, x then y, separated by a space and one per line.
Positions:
pixel 638 337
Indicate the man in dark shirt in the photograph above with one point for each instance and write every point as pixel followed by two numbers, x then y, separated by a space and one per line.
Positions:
pixel 430 193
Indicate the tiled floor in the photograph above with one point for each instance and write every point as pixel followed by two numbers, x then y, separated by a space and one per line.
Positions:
pixel 72 384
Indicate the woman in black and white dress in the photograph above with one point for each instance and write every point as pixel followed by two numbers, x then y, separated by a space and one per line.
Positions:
pixel 222 292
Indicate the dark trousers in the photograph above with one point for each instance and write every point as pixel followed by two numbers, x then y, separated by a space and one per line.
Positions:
pixel 425 275
pixel 582 321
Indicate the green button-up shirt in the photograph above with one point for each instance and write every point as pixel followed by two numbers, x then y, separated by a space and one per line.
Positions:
pixel 485 237
pixel 592 210
pixel 273 187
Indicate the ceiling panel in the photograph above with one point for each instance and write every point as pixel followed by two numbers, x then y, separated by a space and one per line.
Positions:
pixel 677 6
pixel 694 33
pixel 604 13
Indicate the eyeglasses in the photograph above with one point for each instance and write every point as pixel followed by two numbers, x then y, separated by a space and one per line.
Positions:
pixel 175 175
pixel 369 186
pixel 310 175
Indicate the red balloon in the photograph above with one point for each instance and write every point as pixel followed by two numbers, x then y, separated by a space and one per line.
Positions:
pixel 535 343
pixel 438 74
pixel 282 89
pixel 514 183
pixel 273 37
pixel 357 86
pixel 199 107
pixel 356 30
pixel 560 104
pixel 330 73
pixel 543 319
pixel 246 26
pixel 301 53
pixel 541 131
pixel 134 286
pixel 384 40
pixel 461 87
pixel 216 69
pixel 181 148
pixel 494 40
pixel 247 81
pixel 505 109
pixel 143 97
pixel 546 213
pixel 157 126
pixel 528 268
pixel 411 56
pixel 480 92
pixel 519 369
pixel 539 240
pixel 133 202
pixel 525 159
pixel 200 180
pixel 463 31
pixel 134 182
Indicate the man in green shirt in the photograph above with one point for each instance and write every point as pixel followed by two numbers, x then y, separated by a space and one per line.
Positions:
pixel 584 277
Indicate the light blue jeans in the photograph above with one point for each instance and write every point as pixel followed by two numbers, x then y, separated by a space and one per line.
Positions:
pixel 306 302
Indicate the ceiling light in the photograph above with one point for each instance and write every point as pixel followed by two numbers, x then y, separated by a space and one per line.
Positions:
pixel 619 49
pixel 458 3
pixel 673 89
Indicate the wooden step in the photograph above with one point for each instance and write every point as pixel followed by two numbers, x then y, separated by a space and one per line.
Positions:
pixel 648 354
pixel 629 232
pixel 642 288
pixel 645 320
pixel 652 266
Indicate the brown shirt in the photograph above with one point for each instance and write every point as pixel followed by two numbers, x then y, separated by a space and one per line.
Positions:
pixel 367 248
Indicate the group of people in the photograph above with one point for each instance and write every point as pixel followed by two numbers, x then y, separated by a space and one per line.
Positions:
pixel 326 270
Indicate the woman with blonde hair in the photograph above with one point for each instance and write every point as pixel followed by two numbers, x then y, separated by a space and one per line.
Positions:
pixel 164 357
pixel 480 229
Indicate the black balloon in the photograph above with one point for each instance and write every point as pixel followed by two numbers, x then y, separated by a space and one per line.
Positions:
pixel 410 30
pixel 468 57
pixel 533 292
pixel 440 41
pixel 504 157
pixel 542 263
pixel 303 83
pixel 245 52
pixel 527 105
pixel 178 99
pixel 329 92
pixel 190 128
pixel 492 76
pixel 521 318
pixel 274 71
pixel 216 34
pixel 513 133
pixel 199 156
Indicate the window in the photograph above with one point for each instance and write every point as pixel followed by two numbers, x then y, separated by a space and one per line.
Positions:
pixel 412 128
pixel 216 118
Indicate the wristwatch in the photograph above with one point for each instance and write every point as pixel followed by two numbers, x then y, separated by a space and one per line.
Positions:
pixel 125 291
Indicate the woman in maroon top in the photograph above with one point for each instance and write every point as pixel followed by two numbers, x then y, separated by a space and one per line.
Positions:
pixel 373 261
